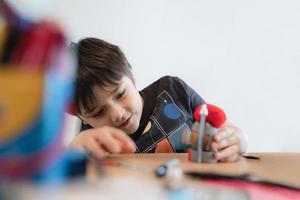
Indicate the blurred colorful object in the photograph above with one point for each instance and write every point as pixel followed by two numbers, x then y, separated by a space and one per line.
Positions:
pixel 36 86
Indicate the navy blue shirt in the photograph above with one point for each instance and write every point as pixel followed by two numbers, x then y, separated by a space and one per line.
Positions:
pixel 169 104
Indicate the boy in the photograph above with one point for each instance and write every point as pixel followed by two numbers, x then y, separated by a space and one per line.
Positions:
pixel 125 120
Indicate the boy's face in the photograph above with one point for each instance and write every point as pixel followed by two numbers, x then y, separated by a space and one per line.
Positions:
pixel 117 106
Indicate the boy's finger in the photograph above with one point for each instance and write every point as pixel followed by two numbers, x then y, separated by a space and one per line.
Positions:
pixel 214 146
pixel 94 149
pixel 107 141
pixel 227 152
pixel 226 142
pixel 128 148
pixel 127 144
pixel 232 158
pixel 223 133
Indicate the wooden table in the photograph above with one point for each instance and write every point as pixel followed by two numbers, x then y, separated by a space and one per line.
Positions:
pixel 281 167
pixel 135 182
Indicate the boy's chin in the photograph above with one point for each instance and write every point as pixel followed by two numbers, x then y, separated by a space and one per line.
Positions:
pixel 132 130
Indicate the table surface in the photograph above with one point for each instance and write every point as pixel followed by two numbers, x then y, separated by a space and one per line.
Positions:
pixel 278 167
pixel 136 179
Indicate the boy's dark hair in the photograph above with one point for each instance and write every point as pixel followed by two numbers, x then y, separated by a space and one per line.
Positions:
pixel 99 64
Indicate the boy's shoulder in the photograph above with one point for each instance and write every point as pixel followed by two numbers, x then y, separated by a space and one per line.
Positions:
pixel 169 79
pixel 170 84
pixel 165 88
pixel 164 83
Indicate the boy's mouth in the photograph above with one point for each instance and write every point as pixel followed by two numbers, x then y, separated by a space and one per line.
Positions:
pixel 126 122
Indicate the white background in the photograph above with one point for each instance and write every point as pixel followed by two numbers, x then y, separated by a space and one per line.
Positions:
pixel 243 56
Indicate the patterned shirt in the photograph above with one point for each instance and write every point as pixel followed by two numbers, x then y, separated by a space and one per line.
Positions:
pixel 167 114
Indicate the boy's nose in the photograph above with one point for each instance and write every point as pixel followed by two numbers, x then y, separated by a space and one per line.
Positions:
pixel 117 114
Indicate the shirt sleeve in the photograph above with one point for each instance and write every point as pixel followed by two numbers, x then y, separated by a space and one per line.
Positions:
pixel 193 97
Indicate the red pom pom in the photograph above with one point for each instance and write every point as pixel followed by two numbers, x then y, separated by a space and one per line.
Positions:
pixel 216 116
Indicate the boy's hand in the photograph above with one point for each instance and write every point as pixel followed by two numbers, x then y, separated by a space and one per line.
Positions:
pixel 100 141
pixel 226 144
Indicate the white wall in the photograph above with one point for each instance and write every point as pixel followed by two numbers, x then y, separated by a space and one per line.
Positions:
pixel 241 55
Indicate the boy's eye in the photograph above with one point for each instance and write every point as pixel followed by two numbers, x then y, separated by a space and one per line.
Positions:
pixel 99 113
pixel 120 95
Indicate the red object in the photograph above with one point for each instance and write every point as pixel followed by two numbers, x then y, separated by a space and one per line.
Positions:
pixel 37 45
pixel 72 109
pixel 256 191
pixel 216 116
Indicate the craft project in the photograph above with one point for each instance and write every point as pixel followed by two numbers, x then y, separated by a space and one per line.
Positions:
pixel 208 119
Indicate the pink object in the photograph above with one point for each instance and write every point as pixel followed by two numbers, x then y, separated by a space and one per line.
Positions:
pixel 257 191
